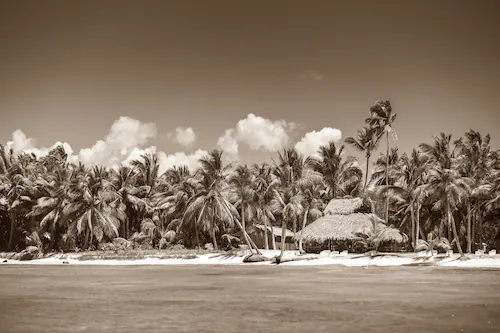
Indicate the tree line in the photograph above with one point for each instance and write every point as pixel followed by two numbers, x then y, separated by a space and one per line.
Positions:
pixel 447 190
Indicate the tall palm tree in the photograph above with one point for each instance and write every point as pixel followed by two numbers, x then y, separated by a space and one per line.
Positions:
pixel 473 157
pixel 243 192
pixel 287 204
pixel 263 186
pixel 382 119
pixel 366 141
pixel 312 208
pixel 341 175
pixel 210 207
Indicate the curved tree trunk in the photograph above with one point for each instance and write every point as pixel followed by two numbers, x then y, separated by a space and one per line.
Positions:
pixel 469 242
pixel 455 234
pixel 301 250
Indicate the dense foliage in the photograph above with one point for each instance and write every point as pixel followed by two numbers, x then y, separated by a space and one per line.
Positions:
pixel 440 190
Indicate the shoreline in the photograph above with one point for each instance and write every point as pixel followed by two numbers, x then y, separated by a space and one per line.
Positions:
pixel 351 260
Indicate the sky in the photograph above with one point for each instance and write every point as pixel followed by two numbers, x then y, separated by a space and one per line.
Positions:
pixel 113 78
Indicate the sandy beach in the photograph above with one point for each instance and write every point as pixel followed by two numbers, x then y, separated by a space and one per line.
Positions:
pixel 290 259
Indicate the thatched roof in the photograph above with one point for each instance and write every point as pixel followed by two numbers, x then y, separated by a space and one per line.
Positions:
pixel 276 231
pixel 344 206
pixel 345 227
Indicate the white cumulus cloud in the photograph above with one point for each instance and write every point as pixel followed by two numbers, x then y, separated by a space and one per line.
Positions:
pixel 125 136
pixel 260 133
pixel 310 143
pixel 184 136
pixel 228 144
pixel 179 159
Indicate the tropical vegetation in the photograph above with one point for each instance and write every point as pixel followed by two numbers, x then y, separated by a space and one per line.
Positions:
pixel 442 191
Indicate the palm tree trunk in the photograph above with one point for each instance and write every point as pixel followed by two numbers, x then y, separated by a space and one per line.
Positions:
pixel 387 179
pixel 266 240
pixel 413 237
pixel 417 217
pixel 366 171
pixel 273 240
pixel 301 250
pixel 214 239
pixel 243 216
pixel 197 235
pixel 469 242
pixel 248 240
pixel 283 238
pixel 452 220
pixel 12 227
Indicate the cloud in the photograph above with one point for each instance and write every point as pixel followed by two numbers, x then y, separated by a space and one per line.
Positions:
pixel 263 134
pixel 310 75
pixel 22 144
pixel 125 135
pixel 179 159
pixel 310 143
pixel 228 144
pixel 184 136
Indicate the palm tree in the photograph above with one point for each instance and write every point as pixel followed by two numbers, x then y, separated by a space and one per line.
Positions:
pixel 341 176
pixel 287 204
pixel 263 186
pixel 210 207
pixel 243 193
pixel 312 208
pixel 51 199
pixel 89 209
pixel 473 156
pixel 382 119
pixel 366 141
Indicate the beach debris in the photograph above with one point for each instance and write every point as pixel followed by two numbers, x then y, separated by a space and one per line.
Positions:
pixel 29 253
pixel 65 263
pixel 492 252
pixel 5 260
pixel 255 258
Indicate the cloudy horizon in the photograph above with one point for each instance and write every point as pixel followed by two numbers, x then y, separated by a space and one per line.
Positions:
pixel 181 78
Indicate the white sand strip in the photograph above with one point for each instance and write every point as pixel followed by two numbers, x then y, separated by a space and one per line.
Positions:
pixel 214 259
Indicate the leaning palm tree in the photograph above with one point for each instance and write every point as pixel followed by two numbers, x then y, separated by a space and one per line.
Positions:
pixel 366 141
pixel 210 207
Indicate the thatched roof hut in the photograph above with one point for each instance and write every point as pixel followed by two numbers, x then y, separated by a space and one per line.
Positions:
pixel 346 219
pixel 347 227
pixel 348 206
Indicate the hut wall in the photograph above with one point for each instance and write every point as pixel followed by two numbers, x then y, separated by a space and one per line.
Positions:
pixel 289 243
